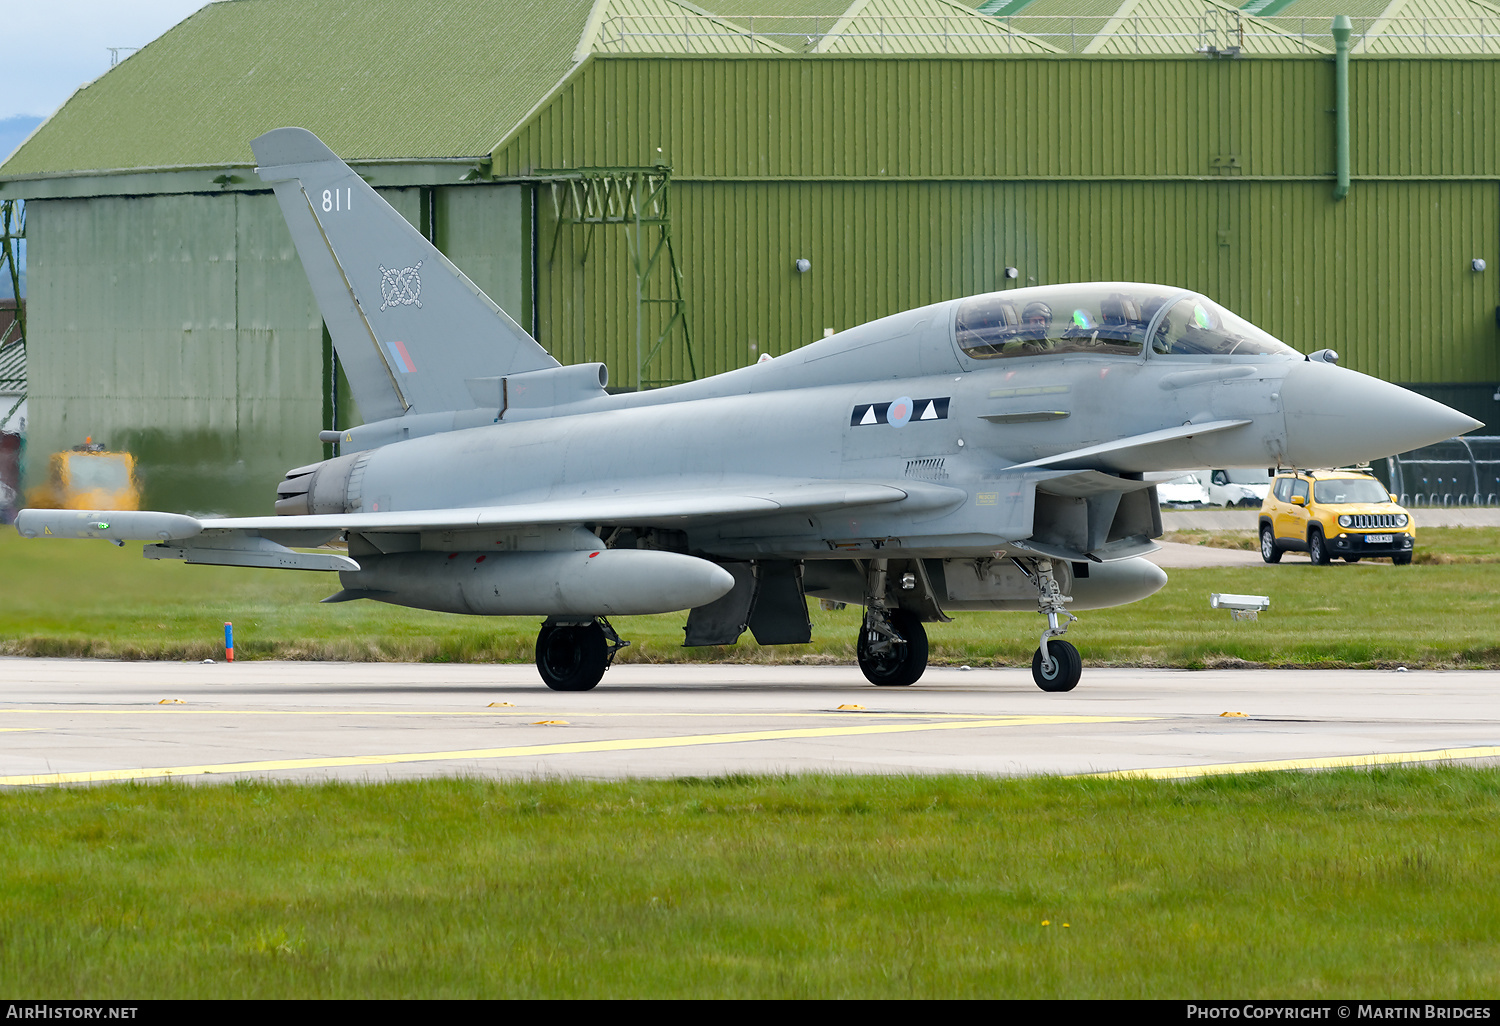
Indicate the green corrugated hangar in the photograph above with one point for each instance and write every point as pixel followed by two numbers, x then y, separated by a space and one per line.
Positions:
pixel 636 181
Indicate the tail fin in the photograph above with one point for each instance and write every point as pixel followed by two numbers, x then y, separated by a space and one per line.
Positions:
pixel 409 327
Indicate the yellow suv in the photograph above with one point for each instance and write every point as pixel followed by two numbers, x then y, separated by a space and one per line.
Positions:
pixel 1332 514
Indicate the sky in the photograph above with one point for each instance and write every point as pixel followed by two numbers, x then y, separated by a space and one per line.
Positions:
pixel 54 47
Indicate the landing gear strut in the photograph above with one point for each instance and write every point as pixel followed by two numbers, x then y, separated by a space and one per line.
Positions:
pixel 1056 664
pixel 892 645
pixel 573 655
pixel 892 648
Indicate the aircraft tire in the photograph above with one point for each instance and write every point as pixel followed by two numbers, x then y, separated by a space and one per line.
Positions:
pixel 899 665
pixel 1317 548
pixel 1268 550
pixel 571 658
pixel 1067 667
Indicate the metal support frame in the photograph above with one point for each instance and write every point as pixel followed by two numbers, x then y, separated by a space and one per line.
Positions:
pixel 612 640
pixel 638 198
pixel 880 635
pixel 12 234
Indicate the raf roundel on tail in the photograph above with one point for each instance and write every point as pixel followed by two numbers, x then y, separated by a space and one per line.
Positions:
pixel 986 453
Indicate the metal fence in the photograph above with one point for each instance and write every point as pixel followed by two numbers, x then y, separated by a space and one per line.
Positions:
pixel 1459 472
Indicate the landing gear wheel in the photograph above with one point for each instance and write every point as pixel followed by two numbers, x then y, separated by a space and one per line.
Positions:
pixel 1268 550
pixel 1066 668
pixel 1401 559
pixel 899 663
pixel 572 658
pixel 1317 549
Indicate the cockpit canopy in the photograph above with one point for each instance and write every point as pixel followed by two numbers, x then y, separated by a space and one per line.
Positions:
pixel 1109 319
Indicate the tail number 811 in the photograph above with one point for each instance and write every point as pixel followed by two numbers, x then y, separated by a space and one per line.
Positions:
pixel 337 199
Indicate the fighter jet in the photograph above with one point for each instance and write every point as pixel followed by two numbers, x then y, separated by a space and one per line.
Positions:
pixel 984 453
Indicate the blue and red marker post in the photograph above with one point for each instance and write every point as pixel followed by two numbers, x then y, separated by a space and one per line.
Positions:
pixel 228 642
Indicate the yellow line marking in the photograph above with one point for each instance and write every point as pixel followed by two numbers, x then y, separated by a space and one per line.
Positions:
pixel 564 748
pixel 1330 762
pixel 17 730
pixel 154 710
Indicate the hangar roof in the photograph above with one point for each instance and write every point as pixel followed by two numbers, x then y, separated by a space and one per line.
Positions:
pixel 1393 26
pixel 924 26
pixel 380 78
pixel 413 81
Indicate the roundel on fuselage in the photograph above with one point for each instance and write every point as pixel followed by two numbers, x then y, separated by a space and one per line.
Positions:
pixel 899 412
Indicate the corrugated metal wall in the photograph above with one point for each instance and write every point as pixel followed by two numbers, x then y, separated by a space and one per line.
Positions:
pixel 1384 277
pixel 1051 117
pixel 182 328
pixel 907 182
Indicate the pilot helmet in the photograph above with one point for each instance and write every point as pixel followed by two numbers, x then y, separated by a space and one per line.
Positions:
pixel 1036 312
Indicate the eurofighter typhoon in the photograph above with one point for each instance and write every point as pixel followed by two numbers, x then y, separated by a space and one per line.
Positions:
pixel 985 453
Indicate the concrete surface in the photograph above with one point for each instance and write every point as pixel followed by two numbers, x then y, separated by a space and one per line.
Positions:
pixel 81 721
pixel 1248 519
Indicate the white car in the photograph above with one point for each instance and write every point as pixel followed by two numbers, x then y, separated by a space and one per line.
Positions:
pixel 1180 490
pixel 1238 487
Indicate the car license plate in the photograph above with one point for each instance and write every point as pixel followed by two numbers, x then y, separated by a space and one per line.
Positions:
pixel 1379 539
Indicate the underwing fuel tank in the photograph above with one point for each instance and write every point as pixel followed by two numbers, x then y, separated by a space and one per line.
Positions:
pixel 992 585
pixel 584 583
pixel 1001 585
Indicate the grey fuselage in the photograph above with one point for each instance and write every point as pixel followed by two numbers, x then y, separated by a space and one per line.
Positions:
pixel 796 417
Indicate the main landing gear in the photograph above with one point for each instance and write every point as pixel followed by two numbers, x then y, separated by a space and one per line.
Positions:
pixel 572 655
pixel 892 643
pixel 892 647
pixel 1056 664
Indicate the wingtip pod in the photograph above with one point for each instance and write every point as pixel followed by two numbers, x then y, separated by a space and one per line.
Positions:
pixel 110 525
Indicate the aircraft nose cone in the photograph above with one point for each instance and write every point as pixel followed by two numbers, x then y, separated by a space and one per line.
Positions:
pixel 1336 416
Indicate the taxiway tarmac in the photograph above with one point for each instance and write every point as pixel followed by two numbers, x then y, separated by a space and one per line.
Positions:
pixel 81 721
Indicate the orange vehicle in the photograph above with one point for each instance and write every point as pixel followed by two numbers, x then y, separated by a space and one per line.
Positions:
pixel 88 477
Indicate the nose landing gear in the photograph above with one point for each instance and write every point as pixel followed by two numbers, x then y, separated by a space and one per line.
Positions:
pixel 1056 664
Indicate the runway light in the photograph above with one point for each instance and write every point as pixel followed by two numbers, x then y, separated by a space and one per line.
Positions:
pixel 1241 607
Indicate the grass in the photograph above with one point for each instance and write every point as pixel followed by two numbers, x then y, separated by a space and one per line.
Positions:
pixel 1378 884
pixel 92 599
